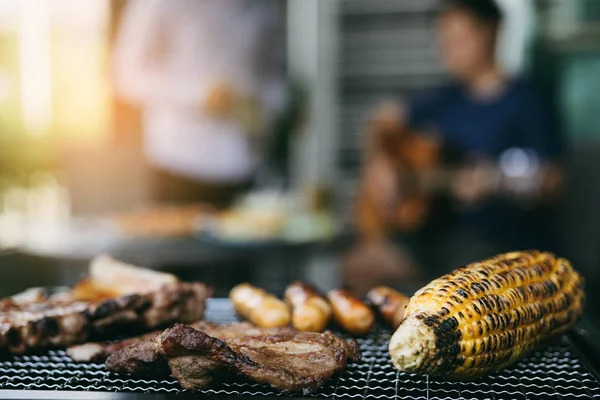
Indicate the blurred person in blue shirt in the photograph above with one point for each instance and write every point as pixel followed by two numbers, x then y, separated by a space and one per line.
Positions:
pixel 491 138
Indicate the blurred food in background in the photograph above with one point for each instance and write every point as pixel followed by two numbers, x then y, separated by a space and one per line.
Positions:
pixel 164 221
pixel 258 216
pixel 271 215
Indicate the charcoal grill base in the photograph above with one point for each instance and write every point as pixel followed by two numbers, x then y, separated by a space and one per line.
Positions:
pixel 556 372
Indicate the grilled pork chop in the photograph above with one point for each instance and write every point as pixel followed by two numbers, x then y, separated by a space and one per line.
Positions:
pixel 99 351
pixel 63 320
pixel 285 359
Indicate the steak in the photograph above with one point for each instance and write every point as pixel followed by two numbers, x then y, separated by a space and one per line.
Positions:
pixel 63 320
pixel 99 351
pixel 283 358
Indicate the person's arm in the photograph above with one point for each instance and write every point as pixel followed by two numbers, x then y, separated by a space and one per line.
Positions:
pixel 139 59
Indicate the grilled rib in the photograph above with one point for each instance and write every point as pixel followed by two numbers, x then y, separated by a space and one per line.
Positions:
pixel 62 320
pixel 287 360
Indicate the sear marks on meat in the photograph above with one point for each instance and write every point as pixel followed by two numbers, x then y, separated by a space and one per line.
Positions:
pixel 62 321
pixel 195 359
pixel 140 359
pixel 235 330
pixel 99 351
pixel 286 359
pixel 294 362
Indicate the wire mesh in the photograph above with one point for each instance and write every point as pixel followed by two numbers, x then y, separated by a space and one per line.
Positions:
pixel 552 373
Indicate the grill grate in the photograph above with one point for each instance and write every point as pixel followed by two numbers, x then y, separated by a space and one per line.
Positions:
pixel 554 373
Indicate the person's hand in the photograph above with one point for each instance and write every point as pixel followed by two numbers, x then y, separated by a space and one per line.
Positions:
pixel 410 214
pixel 473 184
pixel 386 123
pixel 376 196
pixel 219 101
pixel 380 181
pixel 388 115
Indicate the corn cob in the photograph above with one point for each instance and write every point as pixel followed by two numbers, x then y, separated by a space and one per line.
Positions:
pixel 485 316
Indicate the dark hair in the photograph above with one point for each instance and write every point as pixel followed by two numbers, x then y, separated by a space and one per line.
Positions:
pixel 486 11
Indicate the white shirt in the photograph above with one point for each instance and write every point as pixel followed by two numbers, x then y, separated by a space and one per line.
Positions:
pixel 169 55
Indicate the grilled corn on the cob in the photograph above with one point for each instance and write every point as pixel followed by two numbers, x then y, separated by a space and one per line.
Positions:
pixel 487 315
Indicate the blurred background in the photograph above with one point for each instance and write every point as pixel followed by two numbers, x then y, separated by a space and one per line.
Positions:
pixel 250 140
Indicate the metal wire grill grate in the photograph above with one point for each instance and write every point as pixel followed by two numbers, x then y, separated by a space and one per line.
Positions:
pixel 554 373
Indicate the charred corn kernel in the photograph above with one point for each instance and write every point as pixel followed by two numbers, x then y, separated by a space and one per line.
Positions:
pixel 487 315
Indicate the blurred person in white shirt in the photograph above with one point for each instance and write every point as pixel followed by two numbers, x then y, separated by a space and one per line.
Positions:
pixel 208 77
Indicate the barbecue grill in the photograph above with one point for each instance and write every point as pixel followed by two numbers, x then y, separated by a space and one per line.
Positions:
pixel 559 371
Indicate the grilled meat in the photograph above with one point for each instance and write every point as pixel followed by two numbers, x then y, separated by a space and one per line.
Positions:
pixel 283 358
pixel 99 351
pixel 238 330
pixel 140 359
pixel 389 303
pixel 109 278
pixel 62 320
pixel 350 312
pixel 310 310
pixel 487 315
pixel 259 307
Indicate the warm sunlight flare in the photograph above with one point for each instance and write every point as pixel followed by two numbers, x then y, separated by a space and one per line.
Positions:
pixel 34 66
pixel 81 96
pixel 62 68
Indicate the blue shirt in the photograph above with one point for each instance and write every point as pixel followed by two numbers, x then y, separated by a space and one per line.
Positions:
pixel 519 117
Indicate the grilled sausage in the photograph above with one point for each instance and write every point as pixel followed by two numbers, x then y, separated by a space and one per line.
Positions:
pixel 350 312
pixel 389 303
pixel 310 310
pixel 259 307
